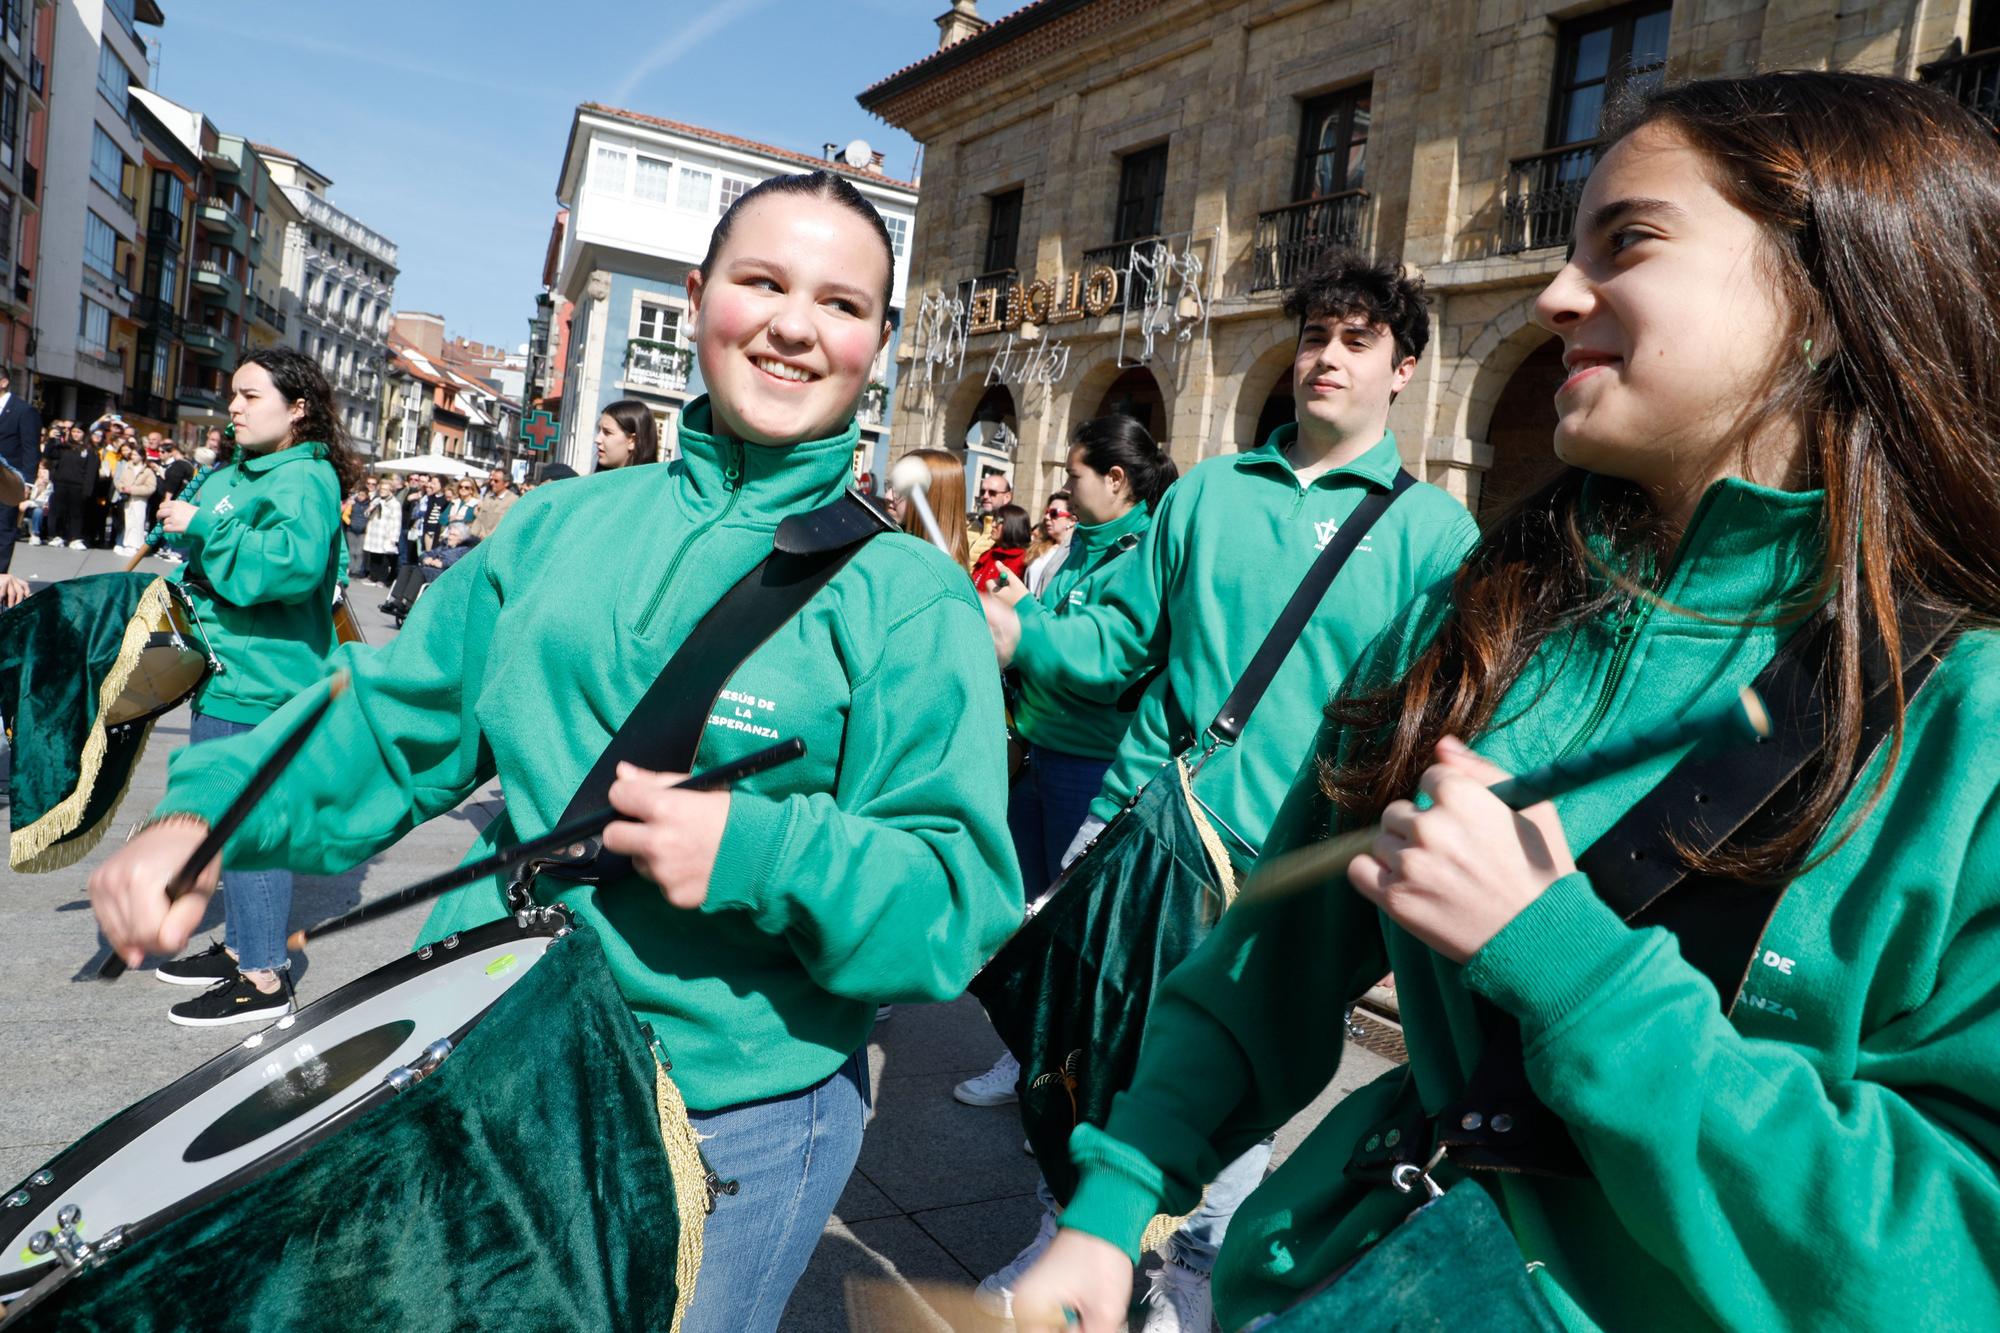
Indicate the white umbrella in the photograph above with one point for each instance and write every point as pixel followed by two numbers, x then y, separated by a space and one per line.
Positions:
pixel 435 464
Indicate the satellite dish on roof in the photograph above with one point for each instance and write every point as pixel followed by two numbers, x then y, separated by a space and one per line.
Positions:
pixel 857 154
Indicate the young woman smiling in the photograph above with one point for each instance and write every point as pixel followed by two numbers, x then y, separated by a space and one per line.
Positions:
pixel 1783 326
pixel 779 913
pixel 264 551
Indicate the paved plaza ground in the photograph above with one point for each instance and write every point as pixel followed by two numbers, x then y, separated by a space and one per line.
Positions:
pixel 943 1192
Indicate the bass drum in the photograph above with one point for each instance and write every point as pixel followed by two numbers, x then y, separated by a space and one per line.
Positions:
pixel 171 667
pixel 346 629
pixel 258 1106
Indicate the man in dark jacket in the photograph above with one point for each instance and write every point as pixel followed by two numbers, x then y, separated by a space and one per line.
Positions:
pixel 20 452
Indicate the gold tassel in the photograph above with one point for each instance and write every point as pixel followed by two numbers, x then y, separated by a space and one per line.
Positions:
pixel 38 847
pixel 690 1188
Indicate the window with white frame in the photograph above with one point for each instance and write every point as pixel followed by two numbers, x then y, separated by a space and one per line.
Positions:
pixel 94 328
pixel 899 232
pixel 660 323
pixel 733 188
pixel 650 182
pixel 100 245
pixel 608 168
pixel 694 190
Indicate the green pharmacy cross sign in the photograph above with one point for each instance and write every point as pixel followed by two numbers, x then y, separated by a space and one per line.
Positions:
pixel 540 430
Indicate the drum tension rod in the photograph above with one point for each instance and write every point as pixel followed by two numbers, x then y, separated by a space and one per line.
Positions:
pixel 69 1246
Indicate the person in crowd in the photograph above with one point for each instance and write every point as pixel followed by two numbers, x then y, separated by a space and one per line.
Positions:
pixel 1117 476
pixel 175 471
pixel 1051 542
pixel 354 522
pixel 464 504
pixel 996 490
pixel 20 454
pixel 1227 547
pixel 494 504
pixel 73 475
pixel 35 509
pixel 103 509
pixel 946 497
pixel 877 867
pixel 1009 552
pixel 259 542
pixel 136 481
pixel 385 530
pixel 54 440
pixel 1760 447
pixel 457 543
pixel 627 435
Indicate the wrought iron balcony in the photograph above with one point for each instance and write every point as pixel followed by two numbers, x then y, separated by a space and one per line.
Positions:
pixel 1973 81
pixel 155 313
pixel 1292 239
pixel 1543 190
pixel 1136 279
pixel 656 365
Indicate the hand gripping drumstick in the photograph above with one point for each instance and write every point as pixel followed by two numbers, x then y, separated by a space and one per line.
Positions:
pixel 562 839
pixel 239 810
pixel 1743 718
pixel 911 479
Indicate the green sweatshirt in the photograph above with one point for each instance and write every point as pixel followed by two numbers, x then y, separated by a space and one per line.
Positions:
pixel 876 868
pixel 1823 1157
pixel 264 554
pixel 1049 713
pixel 1229 544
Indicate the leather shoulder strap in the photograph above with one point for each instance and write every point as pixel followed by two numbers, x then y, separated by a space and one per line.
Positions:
pixel 664 729
pixel 1277 646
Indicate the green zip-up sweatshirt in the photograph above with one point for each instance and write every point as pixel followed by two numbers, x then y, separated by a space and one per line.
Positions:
pixel 1050 714
pixel 263 541
pixel 876 868
pixel 1823 1157
pixel 1229 544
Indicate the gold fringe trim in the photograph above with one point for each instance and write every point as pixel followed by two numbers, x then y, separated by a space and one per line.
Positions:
pixel 35 849
pixel 1211 841
pixel 690 1188
pixel 1162 1227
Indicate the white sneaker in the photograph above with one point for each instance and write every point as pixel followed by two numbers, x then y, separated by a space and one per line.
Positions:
pixel 78 546
pixel 121 550
pixel 34 540
pixel 995 1295
pixel 1178 1301
pixel 995 1087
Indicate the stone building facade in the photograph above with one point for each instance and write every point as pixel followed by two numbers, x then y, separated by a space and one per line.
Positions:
pixel 1115 191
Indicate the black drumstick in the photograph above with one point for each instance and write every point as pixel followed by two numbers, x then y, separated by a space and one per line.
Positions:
pixel 564 840
pixel 239 810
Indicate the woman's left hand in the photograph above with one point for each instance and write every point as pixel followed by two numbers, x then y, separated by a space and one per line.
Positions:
pixel 175 515
pixel 1455 874
pixel 672 836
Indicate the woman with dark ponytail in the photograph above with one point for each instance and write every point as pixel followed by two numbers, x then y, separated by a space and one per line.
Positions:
pixel 264 551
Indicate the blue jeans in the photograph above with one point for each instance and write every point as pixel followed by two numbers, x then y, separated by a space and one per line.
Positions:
pixel 790 1158
pixel 1050 801
pixel 256 904
pixel 1196 1244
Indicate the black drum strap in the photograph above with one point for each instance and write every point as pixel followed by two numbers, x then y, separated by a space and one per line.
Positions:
pixel 664 728
pixel 1713 796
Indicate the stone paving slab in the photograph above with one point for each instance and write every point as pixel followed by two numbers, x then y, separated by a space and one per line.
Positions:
pixel 942 1192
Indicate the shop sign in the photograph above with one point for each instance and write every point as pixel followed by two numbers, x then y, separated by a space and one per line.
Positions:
pixel 1055 300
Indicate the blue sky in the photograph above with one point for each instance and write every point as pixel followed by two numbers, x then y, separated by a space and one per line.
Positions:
pixel 443 124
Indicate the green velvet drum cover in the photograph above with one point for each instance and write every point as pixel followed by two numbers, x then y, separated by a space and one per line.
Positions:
pixel 1069 994
pixel 522 1185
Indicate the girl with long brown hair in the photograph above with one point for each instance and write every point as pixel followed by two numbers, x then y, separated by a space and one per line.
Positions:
pixel 1781 320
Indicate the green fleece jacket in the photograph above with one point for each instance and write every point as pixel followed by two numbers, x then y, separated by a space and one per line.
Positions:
pixel 1229 544
pixel 1049 713
pixel 264 555
pixel 876 868
pixel 1823 1157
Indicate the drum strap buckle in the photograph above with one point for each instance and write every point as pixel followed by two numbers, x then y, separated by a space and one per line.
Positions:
pixel 1406 1176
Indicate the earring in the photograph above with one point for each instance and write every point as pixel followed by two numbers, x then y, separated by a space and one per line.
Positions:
pixel 1805 348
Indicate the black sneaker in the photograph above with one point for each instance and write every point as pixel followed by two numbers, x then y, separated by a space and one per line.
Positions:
pixel 236 1000
pixel 211 965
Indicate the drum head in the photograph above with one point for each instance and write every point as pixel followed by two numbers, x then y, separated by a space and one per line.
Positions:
pixel 169 669
pixel 259 1105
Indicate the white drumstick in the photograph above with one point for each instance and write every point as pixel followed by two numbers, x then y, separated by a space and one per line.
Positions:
pixel 911 479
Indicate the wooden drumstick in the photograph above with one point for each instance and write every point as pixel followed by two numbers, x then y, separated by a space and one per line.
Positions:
pixel 239 809
pixel 138 555
pixel 565 840
pixel 1743 717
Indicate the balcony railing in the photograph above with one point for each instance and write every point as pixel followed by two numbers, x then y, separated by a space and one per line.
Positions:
pixel 656 365
pixel 996 282
pixel 270 314
pixel 1973 81
pixel 155 313
pixel 1136 284
pixel 218 216
pixel 1542 194
pixel 204 341
pixel 194 395
pixel 210 274
pixel 1293 239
